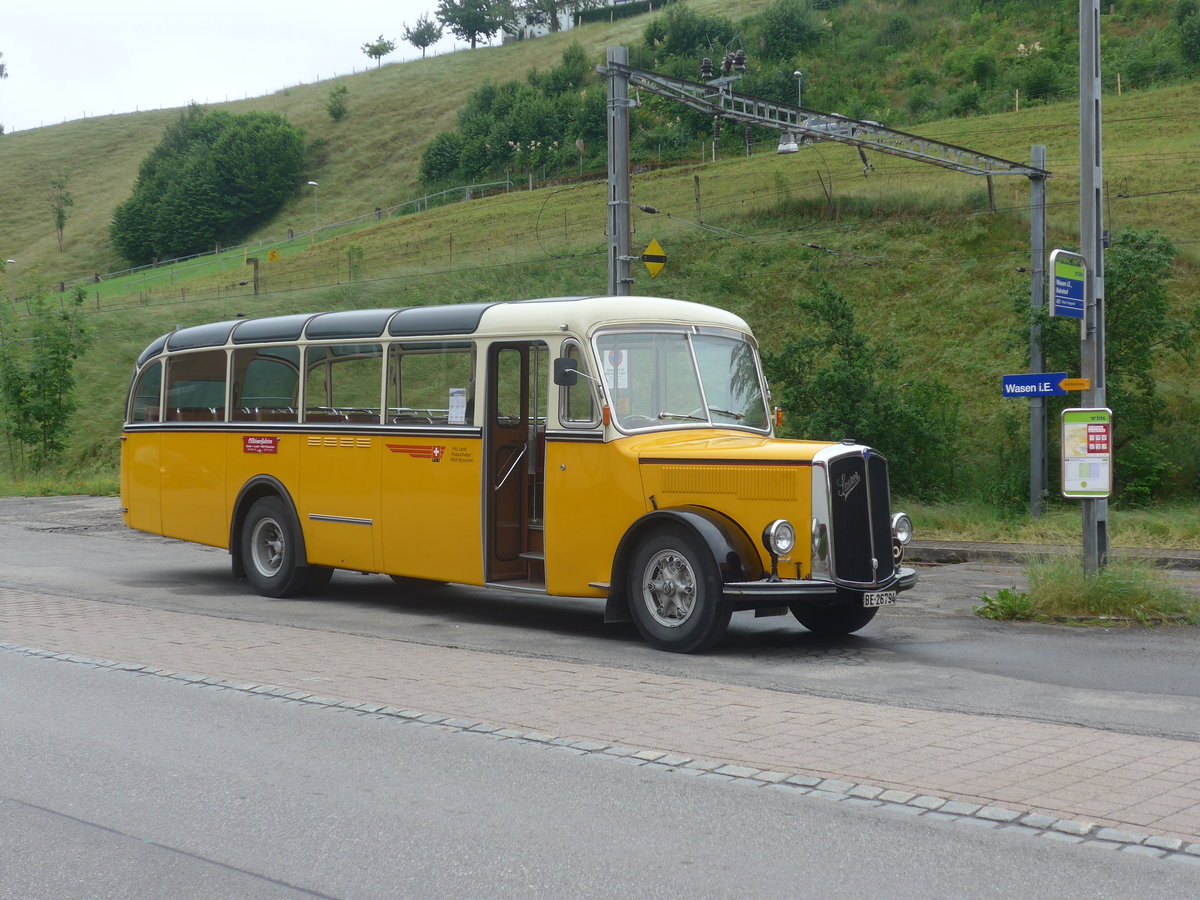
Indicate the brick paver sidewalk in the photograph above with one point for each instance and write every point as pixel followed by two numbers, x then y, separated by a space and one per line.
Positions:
pixel 1064 771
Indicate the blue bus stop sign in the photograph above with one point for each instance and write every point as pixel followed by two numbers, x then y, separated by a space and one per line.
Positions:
pixel 1070 275
pixel 1042 384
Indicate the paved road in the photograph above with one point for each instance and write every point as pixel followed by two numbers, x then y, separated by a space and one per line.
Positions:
pixel 121 784
pixel 929 702
pixel 928 652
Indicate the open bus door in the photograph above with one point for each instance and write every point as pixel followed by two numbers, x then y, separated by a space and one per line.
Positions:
pixel 516 463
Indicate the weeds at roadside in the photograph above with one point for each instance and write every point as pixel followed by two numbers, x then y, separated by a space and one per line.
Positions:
pixel 1123 592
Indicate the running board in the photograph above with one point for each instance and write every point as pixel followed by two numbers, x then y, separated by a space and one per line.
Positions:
pixel 522 588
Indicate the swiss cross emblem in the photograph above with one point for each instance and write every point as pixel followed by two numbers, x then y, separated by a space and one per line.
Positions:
pixel 419 451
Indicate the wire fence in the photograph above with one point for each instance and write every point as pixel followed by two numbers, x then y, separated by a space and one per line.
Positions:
pixel 174 267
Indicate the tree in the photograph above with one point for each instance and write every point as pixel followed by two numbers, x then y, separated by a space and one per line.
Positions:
pixel 834 383
pixel 473 20
pixel 3 75
pixel 60 200
pixel 378 48
pixel 424 34
pixel 213 177
pixel 1139 328
pixel 336 104
pixel 37 375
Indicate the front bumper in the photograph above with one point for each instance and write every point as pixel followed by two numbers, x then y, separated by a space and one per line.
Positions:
pixel 767 593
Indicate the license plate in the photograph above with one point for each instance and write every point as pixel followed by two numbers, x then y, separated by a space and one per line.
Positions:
pixel 879 598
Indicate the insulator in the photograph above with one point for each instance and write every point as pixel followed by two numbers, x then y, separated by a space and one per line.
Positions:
pixel 706 68
pixel 739 61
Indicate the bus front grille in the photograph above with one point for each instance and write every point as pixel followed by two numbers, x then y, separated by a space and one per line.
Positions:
pixel 860 513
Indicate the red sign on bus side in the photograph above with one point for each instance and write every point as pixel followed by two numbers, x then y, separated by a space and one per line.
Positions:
pixel 260 443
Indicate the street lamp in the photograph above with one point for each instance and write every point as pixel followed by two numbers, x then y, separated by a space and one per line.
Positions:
pixel 799 76
pixel 316 218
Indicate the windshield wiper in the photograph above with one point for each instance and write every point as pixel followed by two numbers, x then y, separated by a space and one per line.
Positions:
pixel 727 412
pixel 669 415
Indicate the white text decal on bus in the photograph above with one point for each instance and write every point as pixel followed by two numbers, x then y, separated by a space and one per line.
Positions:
pixel 260 443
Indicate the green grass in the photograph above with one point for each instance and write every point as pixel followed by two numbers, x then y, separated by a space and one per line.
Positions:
pixel 1123 592
pixel 1164 526
pixel 105 485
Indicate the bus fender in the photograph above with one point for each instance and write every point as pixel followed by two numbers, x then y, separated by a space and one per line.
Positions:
pixel 733 551
pixel 253 490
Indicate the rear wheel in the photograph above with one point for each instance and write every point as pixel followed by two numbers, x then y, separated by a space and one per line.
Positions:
pixel 271 552
pixel 834 621
pixel 675 593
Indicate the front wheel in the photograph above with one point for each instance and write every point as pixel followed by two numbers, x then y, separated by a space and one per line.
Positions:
pixel 834 621
pixel 675 593
pixel 271 552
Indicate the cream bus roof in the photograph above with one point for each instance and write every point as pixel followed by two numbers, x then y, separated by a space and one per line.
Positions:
pixel 578 315
pixel 582 315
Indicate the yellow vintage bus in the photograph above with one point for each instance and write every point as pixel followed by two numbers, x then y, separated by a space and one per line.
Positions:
pixel 620 448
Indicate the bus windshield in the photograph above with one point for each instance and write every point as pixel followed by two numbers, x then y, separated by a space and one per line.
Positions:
pixel 682 378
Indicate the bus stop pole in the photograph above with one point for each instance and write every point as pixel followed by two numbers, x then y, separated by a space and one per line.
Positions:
pixel 1037 357
pixel 620 212
pixel 1091 240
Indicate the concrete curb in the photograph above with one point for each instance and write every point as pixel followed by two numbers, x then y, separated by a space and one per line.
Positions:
pixel 796 783
pixel 1014 554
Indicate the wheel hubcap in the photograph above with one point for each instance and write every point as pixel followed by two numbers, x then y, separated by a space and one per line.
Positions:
pixel 669 590
pixel 267 547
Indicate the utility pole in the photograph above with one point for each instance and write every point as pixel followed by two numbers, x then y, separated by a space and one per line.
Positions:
pixel 1037 358
pixel 620 212
pixel 1091 240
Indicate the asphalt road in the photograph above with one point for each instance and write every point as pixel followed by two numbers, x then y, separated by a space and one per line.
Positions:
pixel 930 651
pixel 117 785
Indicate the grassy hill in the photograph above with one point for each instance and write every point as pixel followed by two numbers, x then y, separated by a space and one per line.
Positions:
pixel 930 266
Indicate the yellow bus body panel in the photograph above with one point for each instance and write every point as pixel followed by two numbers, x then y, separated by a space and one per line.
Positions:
pixel 192 479
pixel 593 495
pixel 338 499
pixel 140 467
pixel 432 512
pixel 751 479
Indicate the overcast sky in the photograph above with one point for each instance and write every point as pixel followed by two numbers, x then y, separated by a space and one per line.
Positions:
pixel 68 59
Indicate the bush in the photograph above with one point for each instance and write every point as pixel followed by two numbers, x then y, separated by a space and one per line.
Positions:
pixel 439 160
pixel 336 104
pixel 789 27
pixel 682 31
pixel 1189 38
pixel 212 178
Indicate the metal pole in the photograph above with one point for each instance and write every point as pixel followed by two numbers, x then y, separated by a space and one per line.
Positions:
pixel 1091 240
pixel 1037 358
pixel 620 213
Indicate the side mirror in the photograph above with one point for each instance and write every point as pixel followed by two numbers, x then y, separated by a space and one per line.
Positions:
pixel 566 371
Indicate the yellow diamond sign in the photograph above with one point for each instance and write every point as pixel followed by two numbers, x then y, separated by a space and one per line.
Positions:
pixel 654 257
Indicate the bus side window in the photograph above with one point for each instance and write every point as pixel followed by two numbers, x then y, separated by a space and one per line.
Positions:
pixel 196 387
pixel 266 380
pixel 431 384
pixel 147 396
pixel 343 383
pixel 577 403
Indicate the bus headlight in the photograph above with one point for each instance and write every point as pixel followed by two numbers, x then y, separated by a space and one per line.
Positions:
pixel 902 529
pixel 779 538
